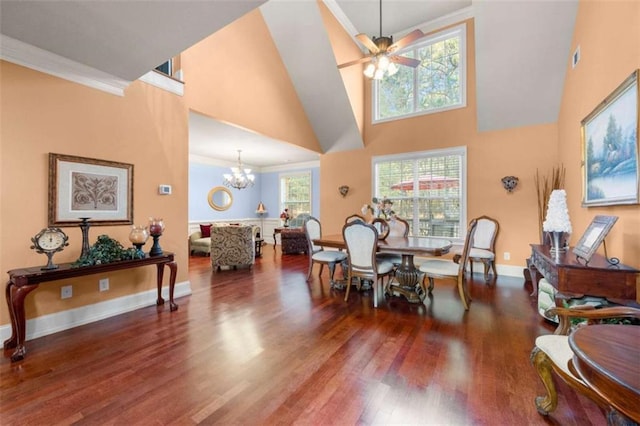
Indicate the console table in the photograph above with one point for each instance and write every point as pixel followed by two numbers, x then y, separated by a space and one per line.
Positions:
pixel 24 280
pixel 574 279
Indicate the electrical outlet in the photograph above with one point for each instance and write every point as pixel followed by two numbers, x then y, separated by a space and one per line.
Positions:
pixel 66 292
pixel 104 284
pixel 507 255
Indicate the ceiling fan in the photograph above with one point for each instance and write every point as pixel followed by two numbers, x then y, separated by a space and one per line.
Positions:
pixel 382 59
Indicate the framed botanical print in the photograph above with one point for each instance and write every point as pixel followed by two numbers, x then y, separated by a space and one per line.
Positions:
pixel 89 188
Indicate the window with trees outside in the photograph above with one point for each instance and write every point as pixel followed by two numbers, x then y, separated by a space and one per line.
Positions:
pixel 427 188
pixel 295 193
pixel 437 84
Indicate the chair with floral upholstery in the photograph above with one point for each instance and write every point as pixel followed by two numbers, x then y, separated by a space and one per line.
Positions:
pixel 232 246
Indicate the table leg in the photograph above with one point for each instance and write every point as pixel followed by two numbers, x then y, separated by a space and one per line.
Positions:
pixel 15 301
pixel 408 281
pixel 173 268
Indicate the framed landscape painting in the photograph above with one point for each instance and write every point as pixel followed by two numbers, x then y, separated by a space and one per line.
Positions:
pixel 610 148
pixel 89 188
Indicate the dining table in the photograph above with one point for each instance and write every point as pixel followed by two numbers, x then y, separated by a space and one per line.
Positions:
pixel 607 358
pixel 407 281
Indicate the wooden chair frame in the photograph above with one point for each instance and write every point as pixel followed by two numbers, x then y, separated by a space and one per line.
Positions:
pixel 545 366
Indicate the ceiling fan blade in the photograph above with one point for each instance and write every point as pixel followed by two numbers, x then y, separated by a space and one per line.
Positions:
pixel 368 43
pixel 357 61
pixel 406 40
pixel 403 60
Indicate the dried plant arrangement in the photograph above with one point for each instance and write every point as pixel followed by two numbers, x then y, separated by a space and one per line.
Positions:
pixel 544 186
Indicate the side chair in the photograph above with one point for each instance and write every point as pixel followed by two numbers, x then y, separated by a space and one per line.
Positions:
pixel 362 242
pixel 353 217
pixel 398 227
pixel 317 254
pixel 451 270
pixel 483 247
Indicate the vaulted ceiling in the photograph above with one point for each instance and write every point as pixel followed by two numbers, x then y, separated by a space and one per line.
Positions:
pixel 522 49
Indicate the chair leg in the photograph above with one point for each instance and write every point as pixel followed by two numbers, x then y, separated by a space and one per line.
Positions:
pixel 463 293
pixel 332 270
pixel 493 267
pixel 431 284
pixel 346 295
pixel 321 268
pixel 310 268
pixel 542 363
pixel 485 263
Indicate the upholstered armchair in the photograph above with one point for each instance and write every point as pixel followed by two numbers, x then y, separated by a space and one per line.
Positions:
pixel 232 246
pixel 294 241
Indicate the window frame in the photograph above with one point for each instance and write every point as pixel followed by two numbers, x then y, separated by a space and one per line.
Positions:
pixel 281 202
pixel 414 224
pixel 461 31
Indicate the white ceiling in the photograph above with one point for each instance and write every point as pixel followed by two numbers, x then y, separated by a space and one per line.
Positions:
pixel 522 49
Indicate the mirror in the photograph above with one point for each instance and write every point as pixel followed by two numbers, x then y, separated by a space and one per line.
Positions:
pixel 220 198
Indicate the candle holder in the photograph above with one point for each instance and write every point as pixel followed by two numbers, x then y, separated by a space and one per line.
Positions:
pixel 139 236
pixel 156 227
pixel 84 227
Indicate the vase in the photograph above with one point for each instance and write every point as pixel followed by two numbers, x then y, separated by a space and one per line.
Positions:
pixel 558 241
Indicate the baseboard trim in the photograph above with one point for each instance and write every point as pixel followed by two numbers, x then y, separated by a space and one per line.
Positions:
pixel 60 321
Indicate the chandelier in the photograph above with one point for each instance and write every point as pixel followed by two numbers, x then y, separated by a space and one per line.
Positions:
pixel 239 178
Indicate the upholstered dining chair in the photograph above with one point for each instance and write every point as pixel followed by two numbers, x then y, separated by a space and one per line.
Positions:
pixel 398 227
pixel 483 248
pixel 361 240
pixel 353 217
pixel 552 353
pixel 317 254
pixel 451 270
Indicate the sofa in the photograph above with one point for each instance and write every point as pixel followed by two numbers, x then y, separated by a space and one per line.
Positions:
pixel 232 246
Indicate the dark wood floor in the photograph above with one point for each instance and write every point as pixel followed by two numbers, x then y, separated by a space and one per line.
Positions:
pixel 263 346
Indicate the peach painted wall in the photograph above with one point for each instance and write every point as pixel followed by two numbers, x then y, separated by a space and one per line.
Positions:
pixel 41 114
pixel 236 76
pixel 608 34
pixel 490 156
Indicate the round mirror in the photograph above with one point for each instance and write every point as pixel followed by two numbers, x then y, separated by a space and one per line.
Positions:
pixel 220 198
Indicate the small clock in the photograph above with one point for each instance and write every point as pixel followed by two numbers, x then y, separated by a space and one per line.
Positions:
pixel 50 241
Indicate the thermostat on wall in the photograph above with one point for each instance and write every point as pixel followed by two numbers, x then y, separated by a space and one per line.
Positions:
pixel 164 189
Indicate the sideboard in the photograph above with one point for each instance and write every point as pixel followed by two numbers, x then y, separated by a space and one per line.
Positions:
pixel 24 280
pixel 573 279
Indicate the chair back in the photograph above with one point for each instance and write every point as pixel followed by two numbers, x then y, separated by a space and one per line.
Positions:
pixel 467 245
pixel 382 226
pixel 354 217
pixel 398 227
pixel 486 232
pixel 313 230
pixel 361 240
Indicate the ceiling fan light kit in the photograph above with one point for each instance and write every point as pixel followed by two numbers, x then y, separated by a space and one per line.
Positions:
pixel 382 60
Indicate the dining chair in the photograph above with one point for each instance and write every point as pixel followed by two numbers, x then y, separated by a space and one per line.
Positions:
pixel 353 217
pixel 445 269
pixel 361 240
pixel 317 254
pixel 398 227
pixel 483 247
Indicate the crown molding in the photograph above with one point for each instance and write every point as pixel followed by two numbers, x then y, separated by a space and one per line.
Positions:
pixel 27 55
pixel 164 82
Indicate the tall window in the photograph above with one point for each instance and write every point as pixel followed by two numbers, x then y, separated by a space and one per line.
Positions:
pixel 437 84
pixel 427 188
pixel 295 193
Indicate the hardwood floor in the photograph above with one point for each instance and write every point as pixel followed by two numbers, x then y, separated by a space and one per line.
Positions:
pixel 262 346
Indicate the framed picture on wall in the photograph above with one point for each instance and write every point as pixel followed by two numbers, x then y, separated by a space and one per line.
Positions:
pixel 610 148
pixel 89 188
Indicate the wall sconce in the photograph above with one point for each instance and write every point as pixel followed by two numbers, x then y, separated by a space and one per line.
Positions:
pixel 344 190
pixel 509 183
